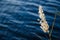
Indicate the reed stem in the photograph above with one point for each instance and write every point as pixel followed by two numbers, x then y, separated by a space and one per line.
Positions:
pixel 50 33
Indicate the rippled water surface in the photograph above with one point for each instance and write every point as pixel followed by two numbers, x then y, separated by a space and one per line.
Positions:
pixel 18 19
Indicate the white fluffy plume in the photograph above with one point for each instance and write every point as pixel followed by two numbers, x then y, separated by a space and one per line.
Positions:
pixel 43 22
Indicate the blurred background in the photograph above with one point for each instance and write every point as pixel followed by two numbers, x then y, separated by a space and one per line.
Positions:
pixel 18 19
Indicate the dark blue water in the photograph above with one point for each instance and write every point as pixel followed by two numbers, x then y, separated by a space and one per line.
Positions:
pixel 18 19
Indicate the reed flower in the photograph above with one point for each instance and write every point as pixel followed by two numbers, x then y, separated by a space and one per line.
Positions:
pixel 44 25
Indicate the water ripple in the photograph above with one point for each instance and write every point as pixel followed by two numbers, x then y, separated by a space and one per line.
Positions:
pixel 18 19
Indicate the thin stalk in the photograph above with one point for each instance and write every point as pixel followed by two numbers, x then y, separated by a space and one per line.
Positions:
pixel 50 33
